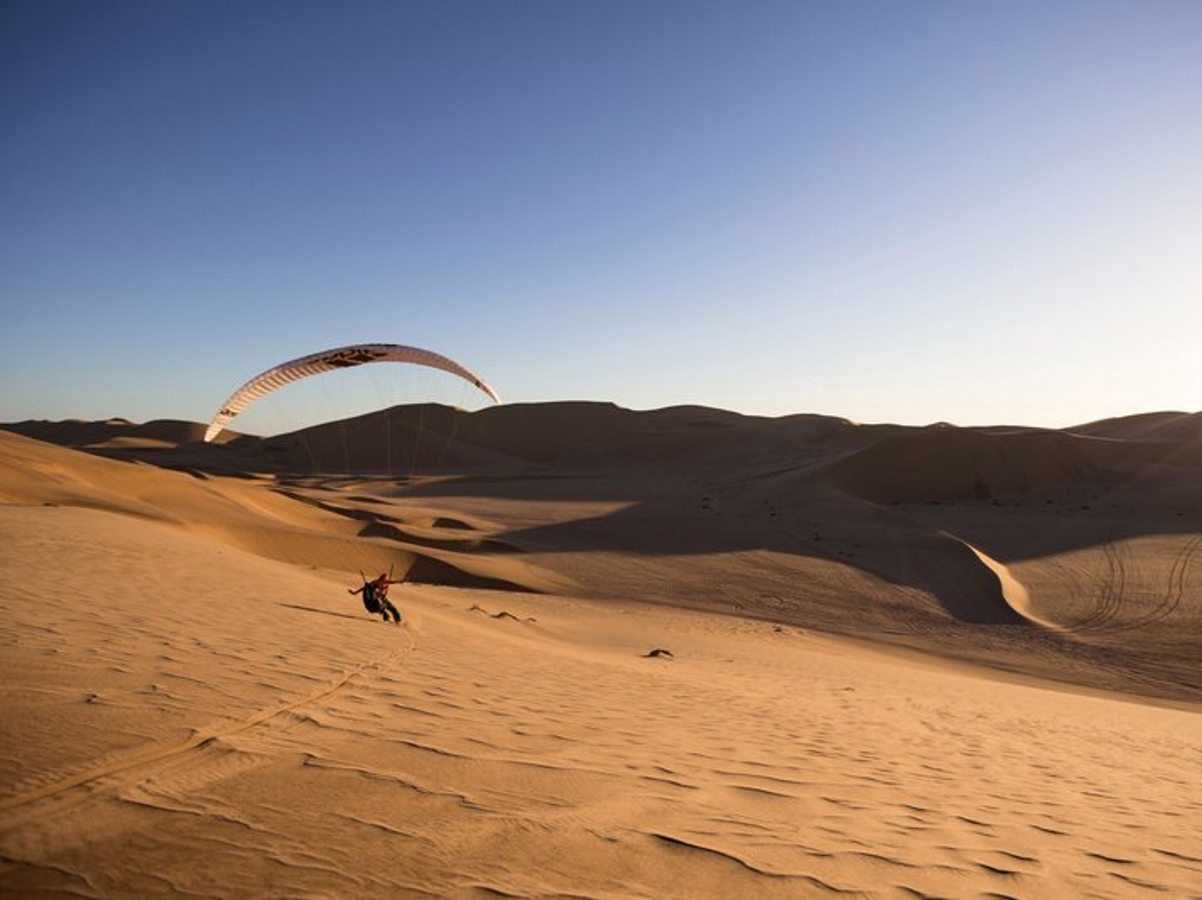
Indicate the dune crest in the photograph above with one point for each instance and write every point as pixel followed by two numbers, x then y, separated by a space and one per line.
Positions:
pixel 1013 591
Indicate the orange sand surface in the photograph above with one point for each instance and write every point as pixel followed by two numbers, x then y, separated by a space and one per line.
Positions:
pixel 679 653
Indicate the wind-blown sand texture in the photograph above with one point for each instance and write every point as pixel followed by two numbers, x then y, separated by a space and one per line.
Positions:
pixel 678 653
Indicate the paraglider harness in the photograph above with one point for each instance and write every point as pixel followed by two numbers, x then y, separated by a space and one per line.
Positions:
pixel 377 604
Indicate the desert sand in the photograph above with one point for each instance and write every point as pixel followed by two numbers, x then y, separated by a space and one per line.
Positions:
pixel 677 653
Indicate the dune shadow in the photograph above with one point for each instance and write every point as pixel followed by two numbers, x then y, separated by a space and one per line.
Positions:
pixel 802 511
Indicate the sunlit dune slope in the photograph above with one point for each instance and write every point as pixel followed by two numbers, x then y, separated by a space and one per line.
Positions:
pixel 190 718
pixel 629 665
pixel 330 533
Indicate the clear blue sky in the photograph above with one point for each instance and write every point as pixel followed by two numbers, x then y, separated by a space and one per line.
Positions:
pixel 900 211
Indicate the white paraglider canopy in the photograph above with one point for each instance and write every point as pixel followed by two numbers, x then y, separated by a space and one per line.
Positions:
pixel 327 361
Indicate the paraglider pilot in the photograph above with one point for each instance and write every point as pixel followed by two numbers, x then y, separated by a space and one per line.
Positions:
pixel 375 597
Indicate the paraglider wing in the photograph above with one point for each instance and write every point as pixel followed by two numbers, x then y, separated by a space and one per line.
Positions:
pixel 327 361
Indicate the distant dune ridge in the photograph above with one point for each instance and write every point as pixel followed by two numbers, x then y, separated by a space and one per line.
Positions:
pixel 680 652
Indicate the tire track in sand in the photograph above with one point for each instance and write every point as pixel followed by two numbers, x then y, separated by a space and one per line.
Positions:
pixel 1111 586
pixel 1171 598
pixel 150 756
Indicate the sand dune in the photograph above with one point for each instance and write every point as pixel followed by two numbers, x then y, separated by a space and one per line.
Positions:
pixel 894 662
